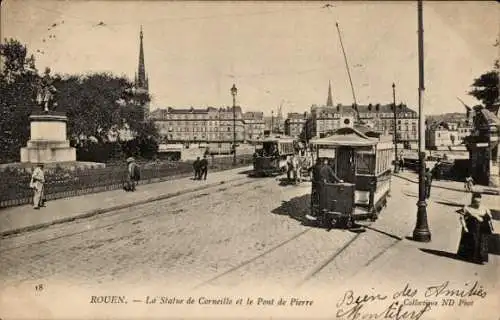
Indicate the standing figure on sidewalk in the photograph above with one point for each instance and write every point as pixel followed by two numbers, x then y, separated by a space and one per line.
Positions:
pixel 133 174
pixel 37 184
pixel 436 171
pixel 401 162
pixel 196 168
pixel 203 168
pixel 476 228
pixel 291 169
pixel 428 183
pixel 469 184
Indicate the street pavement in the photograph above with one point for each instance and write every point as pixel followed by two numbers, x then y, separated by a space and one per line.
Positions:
pixel 25 218
pixel 244 236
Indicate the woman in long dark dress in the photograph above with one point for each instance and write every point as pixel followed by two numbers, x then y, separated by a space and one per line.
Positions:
pixel 476 228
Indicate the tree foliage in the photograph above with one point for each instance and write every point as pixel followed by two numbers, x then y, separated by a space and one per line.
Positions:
pixel 485 88
pixel 96 104
pixel 100 103
pixel 18 88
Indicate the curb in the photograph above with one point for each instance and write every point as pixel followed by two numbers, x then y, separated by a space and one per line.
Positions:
pixel 112 208
pixel 484 189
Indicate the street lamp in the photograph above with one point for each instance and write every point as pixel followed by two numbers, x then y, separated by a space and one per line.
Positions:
pixel 421 232
pixel 396 167
pixel 234 92
pixel 272 121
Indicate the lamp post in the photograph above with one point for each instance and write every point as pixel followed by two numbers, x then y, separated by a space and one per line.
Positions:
pixel 272 122
pixel 396 167
pixel 234 92
pixel 421 232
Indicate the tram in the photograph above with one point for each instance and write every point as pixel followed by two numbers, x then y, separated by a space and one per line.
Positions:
pixel 271 157
pixel 362 160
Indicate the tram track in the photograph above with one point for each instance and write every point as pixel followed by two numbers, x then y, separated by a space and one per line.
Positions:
pixel 192 194
pixel 315 270
pixel 249 261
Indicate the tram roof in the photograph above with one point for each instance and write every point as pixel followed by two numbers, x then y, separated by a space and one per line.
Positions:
pixel 346 137
pixel 276 138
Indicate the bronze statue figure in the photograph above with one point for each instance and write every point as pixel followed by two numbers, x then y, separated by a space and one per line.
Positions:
pixel 46 92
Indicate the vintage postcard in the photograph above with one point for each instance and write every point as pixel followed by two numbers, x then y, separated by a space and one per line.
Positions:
pixel 249 160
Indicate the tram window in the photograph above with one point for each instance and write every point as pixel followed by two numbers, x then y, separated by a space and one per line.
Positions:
pixel 269 147
pixel 365 163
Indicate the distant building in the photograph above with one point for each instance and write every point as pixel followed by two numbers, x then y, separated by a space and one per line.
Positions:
pixel 254 126
pixel 268 123
pixel 294 124
pixel 444 134
pixel 325 119
pixel 380 117
pixel 196 125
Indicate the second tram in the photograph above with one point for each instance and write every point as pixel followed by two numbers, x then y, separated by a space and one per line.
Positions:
pixel 271 158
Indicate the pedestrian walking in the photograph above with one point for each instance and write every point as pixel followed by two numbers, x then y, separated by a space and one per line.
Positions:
pixel 476 229
pixel 196 169
pixel 37 184
pixel 133 175
pixel 203 168
pixel 469 184
pixel 428 182
pixel 436 171
pixel 401 162
pixel 291 172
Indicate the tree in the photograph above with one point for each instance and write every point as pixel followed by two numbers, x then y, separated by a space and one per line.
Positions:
pixel 98 103
pixel 485 88
pixel 18 89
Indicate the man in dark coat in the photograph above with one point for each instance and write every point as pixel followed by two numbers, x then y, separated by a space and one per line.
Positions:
pixel 326 174
pixel 428 183
pixel 196 168
pixel 203 168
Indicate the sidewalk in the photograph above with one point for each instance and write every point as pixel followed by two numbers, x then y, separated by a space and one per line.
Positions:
pixel 490 195
pixel 421 265
pixel 24 218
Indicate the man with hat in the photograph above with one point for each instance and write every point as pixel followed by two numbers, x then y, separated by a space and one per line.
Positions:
pixel 203 168
pixel 36 183
pixel 131 174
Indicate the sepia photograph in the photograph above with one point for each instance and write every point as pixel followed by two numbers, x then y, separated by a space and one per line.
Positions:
pixel 249 159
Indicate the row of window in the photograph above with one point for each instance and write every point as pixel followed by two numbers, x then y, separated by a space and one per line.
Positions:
pixel 215 129
pixel 202 124
pixel 202 116
pixel 203 135
pixel 326 115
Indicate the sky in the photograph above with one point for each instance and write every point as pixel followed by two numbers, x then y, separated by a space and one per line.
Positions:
pixel 275 52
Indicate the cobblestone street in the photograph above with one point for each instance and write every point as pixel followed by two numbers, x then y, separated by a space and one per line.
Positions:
pixel 246 233
pixel 243 232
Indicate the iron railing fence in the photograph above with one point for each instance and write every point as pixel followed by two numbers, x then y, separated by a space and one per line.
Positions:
pixel 60 183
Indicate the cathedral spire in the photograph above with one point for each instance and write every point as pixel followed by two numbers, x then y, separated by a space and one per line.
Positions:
pixel 142 81
pixel 329 100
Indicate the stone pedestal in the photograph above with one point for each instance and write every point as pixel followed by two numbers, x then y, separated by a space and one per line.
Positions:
pixel 48 142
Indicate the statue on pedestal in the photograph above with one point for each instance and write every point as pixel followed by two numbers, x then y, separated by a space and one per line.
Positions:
pixel 46 92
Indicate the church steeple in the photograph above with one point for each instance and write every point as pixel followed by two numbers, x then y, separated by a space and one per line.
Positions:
pixel 141 79
pixel 329 100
